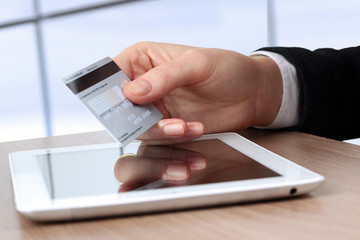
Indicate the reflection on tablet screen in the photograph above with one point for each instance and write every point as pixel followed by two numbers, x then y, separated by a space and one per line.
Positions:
pixel 113 170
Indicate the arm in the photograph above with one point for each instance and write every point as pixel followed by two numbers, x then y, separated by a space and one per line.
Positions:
pixel 329 83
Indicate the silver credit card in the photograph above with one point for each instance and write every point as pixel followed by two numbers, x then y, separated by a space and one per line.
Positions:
pixel 99 86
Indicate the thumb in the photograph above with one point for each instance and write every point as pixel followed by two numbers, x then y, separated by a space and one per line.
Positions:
pixel 160 81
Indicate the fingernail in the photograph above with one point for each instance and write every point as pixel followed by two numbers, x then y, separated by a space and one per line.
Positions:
pixel 139 87
pixel 194 130
pixel 173 130
pixel 176 171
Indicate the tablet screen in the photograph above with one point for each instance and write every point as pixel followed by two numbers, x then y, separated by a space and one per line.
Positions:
pixel 142 167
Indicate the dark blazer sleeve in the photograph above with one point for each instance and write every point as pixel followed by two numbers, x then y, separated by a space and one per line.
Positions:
pixel 329 83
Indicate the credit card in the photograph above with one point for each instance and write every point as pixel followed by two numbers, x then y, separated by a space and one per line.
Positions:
pixel 100 88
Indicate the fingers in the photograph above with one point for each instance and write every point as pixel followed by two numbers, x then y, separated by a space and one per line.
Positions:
pixel 161 80
pixel 171 131
pixel 139 58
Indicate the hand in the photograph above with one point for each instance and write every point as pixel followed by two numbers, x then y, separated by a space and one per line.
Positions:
pixel 200 90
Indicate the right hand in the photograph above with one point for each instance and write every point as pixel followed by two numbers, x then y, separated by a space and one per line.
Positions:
pixel 200 90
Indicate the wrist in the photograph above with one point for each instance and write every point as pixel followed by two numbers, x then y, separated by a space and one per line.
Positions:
pixel 269 91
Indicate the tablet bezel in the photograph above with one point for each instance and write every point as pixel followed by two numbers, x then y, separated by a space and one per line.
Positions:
pixel 33 200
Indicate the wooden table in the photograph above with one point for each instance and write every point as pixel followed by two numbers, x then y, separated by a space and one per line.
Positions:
pixel 330 212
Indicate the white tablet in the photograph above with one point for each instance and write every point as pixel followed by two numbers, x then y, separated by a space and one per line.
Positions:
pixel 108 180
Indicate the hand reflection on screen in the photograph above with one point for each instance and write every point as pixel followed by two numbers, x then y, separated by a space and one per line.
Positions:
pixel 151 163
pixel 197 162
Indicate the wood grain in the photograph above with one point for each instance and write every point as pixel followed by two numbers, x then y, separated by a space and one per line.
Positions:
pixel 330 212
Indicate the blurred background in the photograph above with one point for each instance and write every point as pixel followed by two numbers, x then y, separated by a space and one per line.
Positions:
pixel 42 41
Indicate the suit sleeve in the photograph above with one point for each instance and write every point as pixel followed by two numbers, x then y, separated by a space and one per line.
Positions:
pixel 329 83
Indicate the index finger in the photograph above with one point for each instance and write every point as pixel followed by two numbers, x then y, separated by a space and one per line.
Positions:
pixel 143 56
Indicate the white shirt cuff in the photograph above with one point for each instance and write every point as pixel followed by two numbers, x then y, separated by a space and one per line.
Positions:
pixel 288 114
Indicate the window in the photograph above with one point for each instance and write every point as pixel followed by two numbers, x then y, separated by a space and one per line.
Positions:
pixel 42 41
pixel 68 35
pixel 20 97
